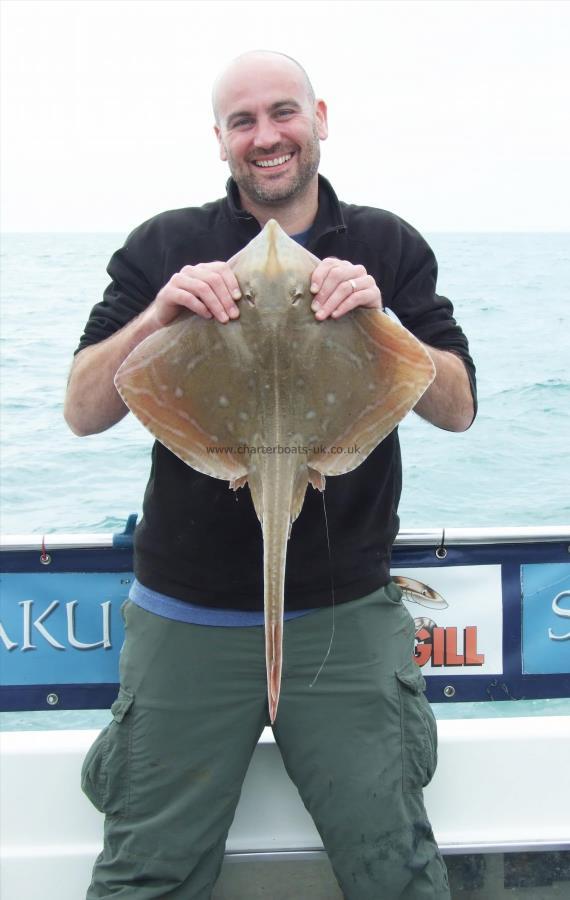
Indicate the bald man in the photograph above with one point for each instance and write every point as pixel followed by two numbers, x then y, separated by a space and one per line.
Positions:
pixel 360 744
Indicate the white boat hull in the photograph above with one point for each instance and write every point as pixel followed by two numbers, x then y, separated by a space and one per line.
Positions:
pixel 500 785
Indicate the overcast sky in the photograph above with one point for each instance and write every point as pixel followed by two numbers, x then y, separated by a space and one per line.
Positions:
pixel 452 114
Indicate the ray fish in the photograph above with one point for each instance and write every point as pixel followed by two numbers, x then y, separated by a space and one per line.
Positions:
pixel 279 379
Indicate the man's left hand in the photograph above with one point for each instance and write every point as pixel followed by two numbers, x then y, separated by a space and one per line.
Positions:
pixel 339 286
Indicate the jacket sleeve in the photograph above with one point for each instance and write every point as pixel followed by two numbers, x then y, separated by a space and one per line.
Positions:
pixel 428 315
pixel 131 290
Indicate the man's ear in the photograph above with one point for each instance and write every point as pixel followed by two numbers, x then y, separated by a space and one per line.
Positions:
pixel 321 119
pixel 218 133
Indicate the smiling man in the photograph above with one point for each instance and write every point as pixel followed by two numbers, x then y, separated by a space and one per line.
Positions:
pixel 360 742
pixel 272 146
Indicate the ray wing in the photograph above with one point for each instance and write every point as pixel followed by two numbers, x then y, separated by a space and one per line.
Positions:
pixel 378 372
pixel 175 382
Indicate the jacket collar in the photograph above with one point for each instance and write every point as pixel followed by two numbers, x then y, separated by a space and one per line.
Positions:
pixel 329 213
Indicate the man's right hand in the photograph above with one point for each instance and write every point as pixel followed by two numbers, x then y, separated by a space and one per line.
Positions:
pixel 208 289
pixel 92 403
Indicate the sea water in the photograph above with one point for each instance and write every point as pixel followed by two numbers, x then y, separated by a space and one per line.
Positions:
pixel 512 298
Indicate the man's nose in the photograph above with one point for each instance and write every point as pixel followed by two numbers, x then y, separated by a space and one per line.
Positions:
pixel 266 134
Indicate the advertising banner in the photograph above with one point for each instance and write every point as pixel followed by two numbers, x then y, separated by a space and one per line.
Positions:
pixel 488 619
pixel 458 613
pixel 61 627
pixel 546 618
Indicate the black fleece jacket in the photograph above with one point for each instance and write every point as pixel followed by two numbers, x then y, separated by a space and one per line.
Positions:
pixel 199 541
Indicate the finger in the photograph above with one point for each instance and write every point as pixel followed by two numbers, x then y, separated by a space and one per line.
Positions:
pixel 337 274
pixel 332 281
pixel 352 302
pixel 321 271
pixel 362 291
pixel 219 287
pixel 211 301
pixel 228 276
pixel 199 290
pixel 180 298
pixel 341 294
pixel 221 280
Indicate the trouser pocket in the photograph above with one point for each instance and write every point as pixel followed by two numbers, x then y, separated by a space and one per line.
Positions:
pixel 419 729
pixel 105 770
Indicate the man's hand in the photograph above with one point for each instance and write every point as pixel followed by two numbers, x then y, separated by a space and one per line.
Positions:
pixel 208 289
pixel 339 286
pixel 92 403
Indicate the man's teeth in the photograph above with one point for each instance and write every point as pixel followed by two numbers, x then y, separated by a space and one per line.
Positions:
pixel 265 163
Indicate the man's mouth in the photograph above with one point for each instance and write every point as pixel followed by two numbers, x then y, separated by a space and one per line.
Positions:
pixel 271 163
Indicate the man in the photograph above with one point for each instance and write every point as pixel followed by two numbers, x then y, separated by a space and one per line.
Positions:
pixel 360 742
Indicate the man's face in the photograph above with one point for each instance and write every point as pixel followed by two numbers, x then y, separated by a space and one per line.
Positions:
pixel 269 130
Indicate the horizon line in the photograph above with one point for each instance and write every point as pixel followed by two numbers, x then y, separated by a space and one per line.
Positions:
pixel 565 230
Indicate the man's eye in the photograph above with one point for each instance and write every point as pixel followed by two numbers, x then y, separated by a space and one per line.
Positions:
pixel 284 112
pixel 242 123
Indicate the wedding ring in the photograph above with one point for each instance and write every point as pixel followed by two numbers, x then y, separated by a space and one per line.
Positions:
pixel 352 283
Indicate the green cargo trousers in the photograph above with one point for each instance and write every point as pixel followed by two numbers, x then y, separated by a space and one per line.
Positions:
pixel 359 744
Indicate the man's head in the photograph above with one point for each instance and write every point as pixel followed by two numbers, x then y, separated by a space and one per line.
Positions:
pixel 269 125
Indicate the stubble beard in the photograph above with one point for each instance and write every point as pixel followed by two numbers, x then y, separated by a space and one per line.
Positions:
pixel 260 192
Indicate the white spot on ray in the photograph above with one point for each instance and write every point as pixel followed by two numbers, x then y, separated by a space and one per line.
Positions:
pixel 331 398
pixel 178 393
pixel 311 414
pixel 243 416
pixel 223 400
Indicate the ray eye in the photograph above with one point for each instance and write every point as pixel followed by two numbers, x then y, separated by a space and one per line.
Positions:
pixel 296 295
pixel 250 297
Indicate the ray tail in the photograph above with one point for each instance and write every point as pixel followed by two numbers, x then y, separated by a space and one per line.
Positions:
pixel 274 658
pixel 282 483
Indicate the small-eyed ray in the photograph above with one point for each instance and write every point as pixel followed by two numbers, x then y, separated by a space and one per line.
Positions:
pixel 275 378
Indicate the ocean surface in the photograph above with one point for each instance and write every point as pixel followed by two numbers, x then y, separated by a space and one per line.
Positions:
pixel 512 297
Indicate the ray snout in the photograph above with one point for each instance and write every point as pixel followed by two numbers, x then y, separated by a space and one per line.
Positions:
pixel 273 250
pixel 273 253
